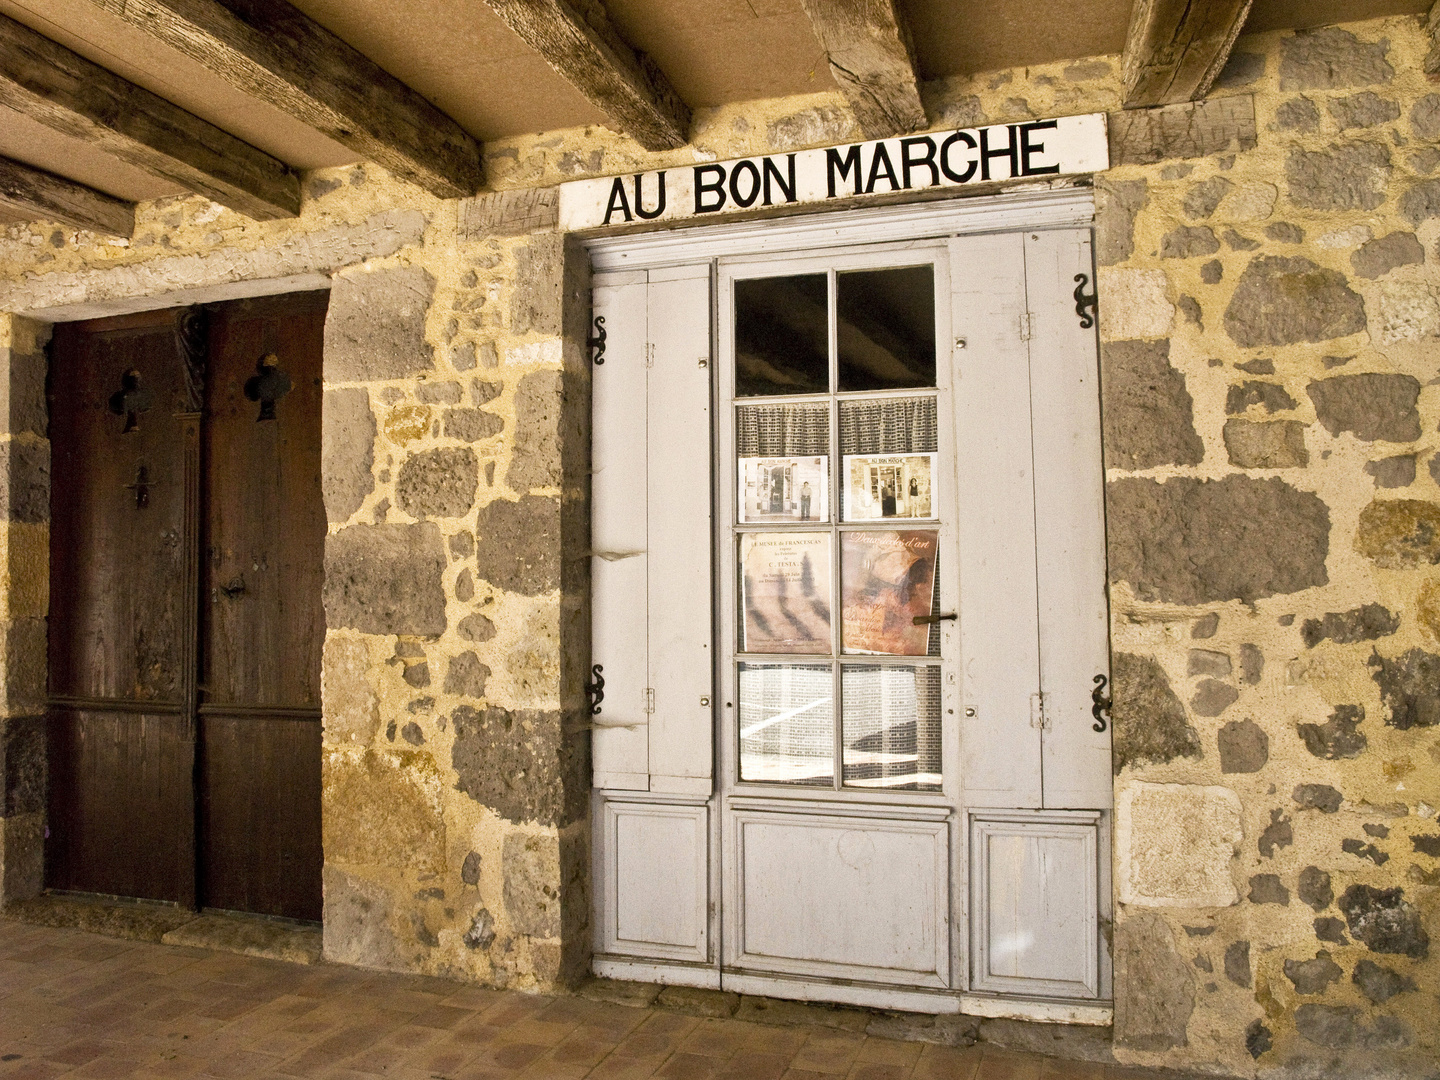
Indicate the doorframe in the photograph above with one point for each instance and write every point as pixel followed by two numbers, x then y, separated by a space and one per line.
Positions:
pixel 1065 204
pixel 22 853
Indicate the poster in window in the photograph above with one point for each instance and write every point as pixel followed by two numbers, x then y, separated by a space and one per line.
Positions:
pixel 790 489
pixel 889 486
pixel 785 592
pixel 887 579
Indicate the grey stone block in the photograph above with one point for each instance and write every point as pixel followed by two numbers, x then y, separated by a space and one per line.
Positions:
pixel 1332 59
pixel 1371 406
pixel 386 579
pixel 375 328
pixel 1283 301
pixel 1191 541
pixel 438 483
pixel 347 452
pixel 1148 414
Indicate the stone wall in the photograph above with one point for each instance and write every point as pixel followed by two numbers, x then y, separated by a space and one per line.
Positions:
pixel 1269 323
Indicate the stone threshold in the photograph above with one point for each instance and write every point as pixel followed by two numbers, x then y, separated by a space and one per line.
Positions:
pixel 167 924
pixel 1073 1042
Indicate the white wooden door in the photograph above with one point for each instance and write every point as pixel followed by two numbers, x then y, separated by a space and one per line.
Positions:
pixel 840 793
pixel 849 606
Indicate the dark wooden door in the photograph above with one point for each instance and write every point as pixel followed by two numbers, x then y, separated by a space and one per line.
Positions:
pixel 124 423
pixel 186 622
pixel 263 626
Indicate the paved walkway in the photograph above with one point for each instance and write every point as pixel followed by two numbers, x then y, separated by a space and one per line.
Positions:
pixel 78 1005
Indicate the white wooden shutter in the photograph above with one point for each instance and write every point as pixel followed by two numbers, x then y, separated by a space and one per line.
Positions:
pixel 619 574
pixel 1070 521
pixel 651 536
pixel 999 640
pixel 681 617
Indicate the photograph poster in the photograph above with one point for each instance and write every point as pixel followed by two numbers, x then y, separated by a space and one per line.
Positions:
pixel 784 489
pixel 887 578
pixel 881 486
pixel 785 592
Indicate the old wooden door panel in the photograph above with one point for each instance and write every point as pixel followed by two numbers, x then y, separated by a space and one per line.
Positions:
pixel 260 814
pixel 121 804
pixel 263 624
pixel 121 633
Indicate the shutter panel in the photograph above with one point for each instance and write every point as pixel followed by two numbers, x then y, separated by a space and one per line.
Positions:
pixel 1070 512
pixel 999 642
pixel 681 618
pixel 619 568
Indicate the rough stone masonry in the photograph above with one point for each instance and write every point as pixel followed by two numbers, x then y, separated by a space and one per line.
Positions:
pixel 1269 318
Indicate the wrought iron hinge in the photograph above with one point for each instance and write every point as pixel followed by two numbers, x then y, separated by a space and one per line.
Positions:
pixel 596 341
pixel 1087 305
pixel 595 691
pixel 1102 703
pixel 1027 322
pixel 1038 717
pixel 649 700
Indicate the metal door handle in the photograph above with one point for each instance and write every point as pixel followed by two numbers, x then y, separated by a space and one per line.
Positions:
pixel 930 620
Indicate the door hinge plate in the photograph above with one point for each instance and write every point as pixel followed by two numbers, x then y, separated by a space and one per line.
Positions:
pixel 649 700
pixel 1027 323
pixel 1038 717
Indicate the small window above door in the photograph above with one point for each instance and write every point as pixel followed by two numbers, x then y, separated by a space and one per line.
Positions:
pixel 845 332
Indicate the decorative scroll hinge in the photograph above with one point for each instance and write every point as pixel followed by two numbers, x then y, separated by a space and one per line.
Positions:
pixel 596 341
pixel 1038 718
pixel 649 700
pixel 1102 703
pixel 1087 305
pixel 595 691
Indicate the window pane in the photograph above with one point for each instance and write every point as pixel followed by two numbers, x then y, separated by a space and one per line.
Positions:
pixel 885 328
pixel 787 723
pixel 784 467
pixel 782 336
pixel 887 581
pixel 785 592
pixel 888 460
pixel 891 726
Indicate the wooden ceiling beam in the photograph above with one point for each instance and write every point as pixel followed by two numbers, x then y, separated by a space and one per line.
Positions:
pixel 272 51
pixel 588 52
pixel 1176 48
pixel 64 91
pixel 37 194
pixel 871 57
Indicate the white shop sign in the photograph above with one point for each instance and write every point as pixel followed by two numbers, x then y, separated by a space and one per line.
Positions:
pixel 1040 148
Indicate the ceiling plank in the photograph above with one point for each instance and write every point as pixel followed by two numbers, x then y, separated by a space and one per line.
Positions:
pixel 49 83
pixel 36 194
pixel 271 51
pixel 873 60
pixel 589 53
pixel 1176 48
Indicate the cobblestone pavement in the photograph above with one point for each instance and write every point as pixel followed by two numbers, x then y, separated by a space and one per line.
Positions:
pixel 78 1005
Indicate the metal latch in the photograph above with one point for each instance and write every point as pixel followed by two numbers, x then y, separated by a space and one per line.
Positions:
pixel 930 620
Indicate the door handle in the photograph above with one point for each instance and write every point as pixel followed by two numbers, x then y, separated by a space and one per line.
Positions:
pixel 235 589
pixel 930 620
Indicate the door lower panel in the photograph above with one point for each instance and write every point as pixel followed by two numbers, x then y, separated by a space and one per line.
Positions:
pixel 839 897
pixel 121 804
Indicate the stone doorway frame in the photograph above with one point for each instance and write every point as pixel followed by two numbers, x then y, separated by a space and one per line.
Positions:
pixel 31 308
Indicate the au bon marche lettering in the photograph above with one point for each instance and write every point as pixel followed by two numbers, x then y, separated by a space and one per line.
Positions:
pixel 1035 149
